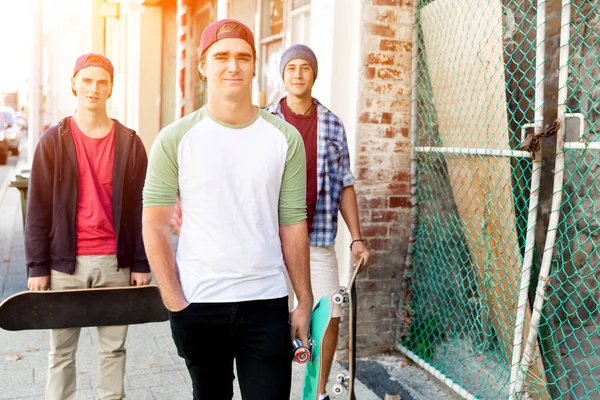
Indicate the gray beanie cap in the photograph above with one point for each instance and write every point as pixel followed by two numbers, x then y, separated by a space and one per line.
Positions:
pixel 300 51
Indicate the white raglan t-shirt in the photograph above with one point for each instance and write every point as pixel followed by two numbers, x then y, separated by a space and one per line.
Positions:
pixel 236 185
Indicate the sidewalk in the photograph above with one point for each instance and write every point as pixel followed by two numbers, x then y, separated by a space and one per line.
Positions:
pixel 154 370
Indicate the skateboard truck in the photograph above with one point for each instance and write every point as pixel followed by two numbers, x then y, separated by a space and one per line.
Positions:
pixel 302 354
pixel 342 384
pixel 341 297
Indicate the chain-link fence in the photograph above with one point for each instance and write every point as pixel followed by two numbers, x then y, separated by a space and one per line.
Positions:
pixel 478 86
pixel 476 94
pixel 568 302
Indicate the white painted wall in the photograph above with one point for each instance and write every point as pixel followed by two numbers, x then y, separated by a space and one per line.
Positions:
pixel 139 88
pixel 68 36
pixel 335 39
pixel 149 119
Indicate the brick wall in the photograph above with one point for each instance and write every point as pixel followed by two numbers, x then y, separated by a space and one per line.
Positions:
pixel 383 167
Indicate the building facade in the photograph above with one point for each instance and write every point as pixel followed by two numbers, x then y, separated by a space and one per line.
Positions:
pixel 364 52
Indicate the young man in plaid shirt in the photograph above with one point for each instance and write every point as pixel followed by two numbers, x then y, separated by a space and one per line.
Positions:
pixel 329 183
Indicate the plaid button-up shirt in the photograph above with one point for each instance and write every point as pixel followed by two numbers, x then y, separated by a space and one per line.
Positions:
pixel 333 172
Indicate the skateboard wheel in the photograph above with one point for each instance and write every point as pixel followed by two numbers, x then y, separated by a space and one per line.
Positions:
pixel 301 353
pixel 340 377
pixel 338 389
pixel 338 298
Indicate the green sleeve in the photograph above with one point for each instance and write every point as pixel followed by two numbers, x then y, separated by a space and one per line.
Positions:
pixel 292 198
pixel 162 179
pixel 161 185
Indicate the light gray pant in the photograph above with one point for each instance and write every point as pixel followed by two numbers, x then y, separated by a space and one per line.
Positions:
pixel 90 271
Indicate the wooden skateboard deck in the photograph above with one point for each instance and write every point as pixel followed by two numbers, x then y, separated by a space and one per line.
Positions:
pixel 319 322
pixel 82 308
pixel 349 296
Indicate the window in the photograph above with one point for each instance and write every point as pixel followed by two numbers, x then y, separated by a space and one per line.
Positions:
pixel 283 23
pixel 300 3
pixel 273 23
pixel 271 47
pixel 300 22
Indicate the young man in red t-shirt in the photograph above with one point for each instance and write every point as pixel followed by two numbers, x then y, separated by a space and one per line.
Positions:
pixel 84 220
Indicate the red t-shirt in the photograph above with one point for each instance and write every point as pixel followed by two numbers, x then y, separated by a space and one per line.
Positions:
pixel 307 126
pixel 95 224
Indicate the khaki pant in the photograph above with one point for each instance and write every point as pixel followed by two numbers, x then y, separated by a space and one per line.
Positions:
pixel 90 272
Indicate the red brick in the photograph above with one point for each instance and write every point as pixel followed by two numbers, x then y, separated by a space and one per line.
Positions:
pixel 388 104
pixel 371 202
pixel 370 73
pixel 362 174
pixel 386 15
pixel 386 312
pixel 379 59
pixel 369 286
pixel 395 45
pixel 373 301
pixel 374 175
pixel 364 215
pixel 381 30
pixel 400 176
pixel 370 118
pixel 376 327
pixel 363 160
pixel 383 272
pixel 375 88
pixel 385 2
pixel 371 231
pixel 382 216
pixel 401 119
pixel 389 73
pixel 401 232
pixel 399 187
pixel 402 147
pixel 392 131
pixel 386 118
pixel 400 201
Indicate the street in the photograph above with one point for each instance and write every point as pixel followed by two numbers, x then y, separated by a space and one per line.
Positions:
pixel 154 370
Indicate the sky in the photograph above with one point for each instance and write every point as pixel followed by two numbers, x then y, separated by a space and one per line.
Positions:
pixel 16 32
pixel 15 43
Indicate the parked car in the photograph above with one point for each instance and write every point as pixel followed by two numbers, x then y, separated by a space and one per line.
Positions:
pixel 3 143
pixel 12 131
pixel 21 121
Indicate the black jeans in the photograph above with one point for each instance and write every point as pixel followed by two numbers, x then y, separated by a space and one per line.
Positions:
pixel 209 336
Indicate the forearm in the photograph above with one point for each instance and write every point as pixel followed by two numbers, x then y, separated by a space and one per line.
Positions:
pixel 349 210
pixel 161 257
pixel 294 244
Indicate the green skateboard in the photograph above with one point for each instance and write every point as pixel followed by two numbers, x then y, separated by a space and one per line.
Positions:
pixel 319 322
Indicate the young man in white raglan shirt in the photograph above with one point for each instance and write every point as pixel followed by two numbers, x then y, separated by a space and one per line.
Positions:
pixel 240 174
